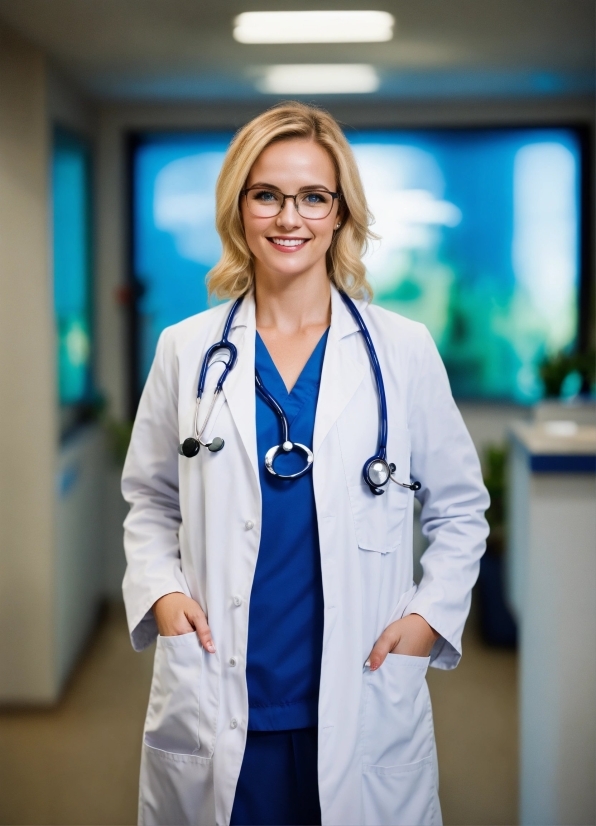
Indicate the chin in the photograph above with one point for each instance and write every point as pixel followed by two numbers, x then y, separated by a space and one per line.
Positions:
pixel 287 269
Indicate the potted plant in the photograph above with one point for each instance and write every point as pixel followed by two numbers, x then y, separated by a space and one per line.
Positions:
pixel 496 622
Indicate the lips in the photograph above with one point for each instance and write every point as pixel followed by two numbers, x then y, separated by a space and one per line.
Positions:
pixel 288 244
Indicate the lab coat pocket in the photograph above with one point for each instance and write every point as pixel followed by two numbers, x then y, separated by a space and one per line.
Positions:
pixel 401 795
pixel 172 723
pixel 399 781
pixel 176 789
pixel 378 520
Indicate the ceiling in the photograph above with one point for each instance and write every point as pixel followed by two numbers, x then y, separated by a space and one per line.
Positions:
pixel 183 49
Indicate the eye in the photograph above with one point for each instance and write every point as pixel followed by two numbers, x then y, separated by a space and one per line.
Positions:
pixel 265 196
pixel 313 198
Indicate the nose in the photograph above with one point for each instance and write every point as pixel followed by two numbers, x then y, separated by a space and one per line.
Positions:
pixel 289 218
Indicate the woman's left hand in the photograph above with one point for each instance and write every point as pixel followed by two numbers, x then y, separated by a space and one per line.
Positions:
pixel 411 635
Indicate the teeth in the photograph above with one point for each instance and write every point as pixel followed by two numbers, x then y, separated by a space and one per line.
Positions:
pixel 288 242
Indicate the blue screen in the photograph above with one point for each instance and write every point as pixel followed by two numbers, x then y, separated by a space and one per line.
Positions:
pixel 479 241
pixel 72 265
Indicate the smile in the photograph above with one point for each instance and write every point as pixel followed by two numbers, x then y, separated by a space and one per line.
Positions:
pixel 288 244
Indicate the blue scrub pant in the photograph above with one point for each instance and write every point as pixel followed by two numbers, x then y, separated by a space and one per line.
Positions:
pixel 278 783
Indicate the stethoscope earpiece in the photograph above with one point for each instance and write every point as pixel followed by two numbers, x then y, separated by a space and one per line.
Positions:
pixel 189 447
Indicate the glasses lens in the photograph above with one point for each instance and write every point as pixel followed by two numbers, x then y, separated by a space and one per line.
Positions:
pixel 266 203
pixel 316 204
pixel 263 203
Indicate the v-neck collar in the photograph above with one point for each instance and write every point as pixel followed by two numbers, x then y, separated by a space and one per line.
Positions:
pixel 306 383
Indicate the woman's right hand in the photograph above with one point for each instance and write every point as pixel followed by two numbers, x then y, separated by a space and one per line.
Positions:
pixel 177 614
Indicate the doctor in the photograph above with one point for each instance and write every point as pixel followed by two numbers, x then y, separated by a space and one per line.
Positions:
pixel 269 539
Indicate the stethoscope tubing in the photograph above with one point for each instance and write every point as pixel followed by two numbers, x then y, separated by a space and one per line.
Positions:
pixel 223 344
pixel 275 405
pixel 287 445
pixel 383 470
pixel 382 441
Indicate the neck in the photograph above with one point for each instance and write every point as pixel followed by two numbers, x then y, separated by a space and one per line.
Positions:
pixel 293 305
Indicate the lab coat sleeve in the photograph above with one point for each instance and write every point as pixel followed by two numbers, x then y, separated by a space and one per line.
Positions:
pixel 150 486
pixel 453 499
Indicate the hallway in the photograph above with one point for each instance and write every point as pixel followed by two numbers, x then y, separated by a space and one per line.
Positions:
pixel 78 763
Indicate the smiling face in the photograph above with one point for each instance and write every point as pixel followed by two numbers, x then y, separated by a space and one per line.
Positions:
pixel 289 245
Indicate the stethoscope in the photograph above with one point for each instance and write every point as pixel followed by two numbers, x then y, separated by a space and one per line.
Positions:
pixel 377 471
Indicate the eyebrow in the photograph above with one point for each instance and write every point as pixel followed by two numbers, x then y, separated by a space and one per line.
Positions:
pixel 307 188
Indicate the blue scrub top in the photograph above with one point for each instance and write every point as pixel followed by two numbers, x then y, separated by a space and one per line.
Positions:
pixel 285 631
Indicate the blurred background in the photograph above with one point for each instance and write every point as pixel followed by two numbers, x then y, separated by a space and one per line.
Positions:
pixel 473 126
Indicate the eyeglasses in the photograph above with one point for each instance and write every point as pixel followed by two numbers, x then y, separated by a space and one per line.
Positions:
pixel 312 204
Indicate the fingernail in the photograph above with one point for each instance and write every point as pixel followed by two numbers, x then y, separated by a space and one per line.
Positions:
pixel 210 648
pixel 367 664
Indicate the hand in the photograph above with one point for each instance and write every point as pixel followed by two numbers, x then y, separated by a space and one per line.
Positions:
pixel 411 635
pixel 177 614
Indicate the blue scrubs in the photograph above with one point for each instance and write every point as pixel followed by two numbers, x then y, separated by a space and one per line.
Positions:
pixel 278 783
pixel 285 632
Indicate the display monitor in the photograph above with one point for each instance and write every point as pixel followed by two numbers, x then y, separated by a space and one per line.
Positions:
pixel 479 239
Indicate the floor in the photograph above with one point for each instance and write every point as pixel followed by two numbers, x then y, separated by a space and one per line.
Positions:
pixel 78 763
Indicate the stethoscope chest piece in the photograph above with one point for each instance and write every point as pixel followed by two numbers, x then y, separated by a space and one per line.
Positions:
pixel 378 471
pixel 287 447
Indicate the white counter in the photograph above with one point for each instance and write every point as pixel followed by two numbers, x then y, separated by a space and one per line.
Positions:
pixel 551 585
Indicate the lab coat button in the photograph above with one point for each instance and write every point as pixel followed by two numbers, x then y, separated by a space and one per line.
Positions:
pixel 249 525
pixel 232 661
pixel 233 723
pixel 237 600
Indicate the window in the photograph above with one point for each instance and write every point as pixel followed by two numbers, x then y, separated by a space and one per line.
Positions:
pixel 71 196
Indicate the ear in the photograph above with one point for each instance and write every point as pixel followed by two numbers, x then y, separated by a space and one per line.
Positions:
pixel 339 220
pixel 342 212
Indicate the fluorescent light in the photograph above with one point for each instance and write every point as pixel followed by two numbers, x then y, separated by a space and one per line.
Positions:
pixel 313 26
pixel 314 78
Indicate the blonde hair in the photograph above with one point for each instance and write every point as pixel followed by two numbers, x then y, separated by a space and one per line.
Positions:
pixel 234 273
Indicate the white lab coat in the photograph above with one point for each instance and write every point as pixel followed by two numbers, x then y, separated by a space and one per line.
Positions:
pixel 194 526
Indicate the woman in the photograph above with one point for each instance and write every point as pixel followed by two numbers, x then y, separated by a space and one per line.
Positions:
pixel 289 679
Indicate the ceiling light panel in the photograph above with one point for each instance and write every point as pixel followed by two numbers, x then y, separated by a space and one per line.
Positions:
pixel 319 79
pixel 313 27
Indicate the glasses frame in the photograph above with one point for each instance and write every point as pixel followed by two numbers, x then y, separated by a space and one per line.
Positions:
pixel 284 198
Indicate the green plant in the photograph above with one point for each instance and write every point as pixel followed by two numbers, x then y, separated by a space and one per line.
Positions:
pixel 494 465
pixel 586 367
pixel 119 433
pixel 554 369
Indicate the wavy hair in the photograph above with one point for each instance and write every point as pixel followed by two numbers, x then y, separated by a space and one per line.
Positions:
pixel 234 273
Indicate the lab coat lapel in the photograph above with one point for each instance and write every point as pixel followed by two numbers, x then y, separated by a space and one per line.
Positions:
pixel 342 373
pixel 239 387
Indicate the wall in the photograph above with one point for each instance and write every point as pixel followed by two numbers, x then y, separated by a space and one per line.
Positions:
pixel 79 545
pixel 80 474
pixel 51 567
pixel 117 120
pixel 68 107
pixel 27 404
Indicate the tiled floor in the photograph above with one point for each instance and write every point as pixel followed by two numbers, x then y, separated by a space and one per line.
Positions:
pixel 78 763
